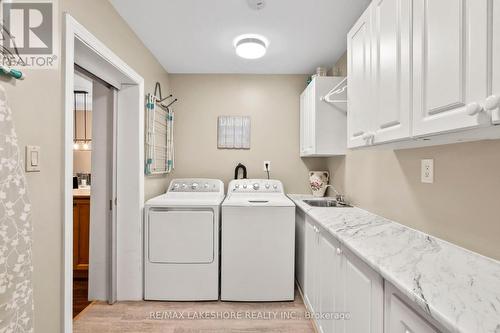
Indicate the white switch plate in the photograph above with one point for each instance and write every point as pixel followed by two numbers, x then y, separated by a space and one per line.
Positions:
pixel 264 165
pixel 427 171
pixel 32 158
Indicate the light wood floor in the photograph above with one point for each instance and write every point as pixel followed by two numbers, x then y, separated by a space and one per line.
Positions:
pixel 125 317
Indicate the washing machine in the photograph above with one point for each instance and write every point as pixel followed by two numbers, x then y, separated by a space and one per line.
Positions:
pixel 181 243
pixel 258 242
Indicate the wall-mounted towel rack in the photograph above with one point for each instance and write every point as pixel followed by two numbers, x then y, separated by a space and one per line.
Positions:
pixel 8 54
pixel 160 99
pixel 339 90
pixel 159 134
pixel 17 74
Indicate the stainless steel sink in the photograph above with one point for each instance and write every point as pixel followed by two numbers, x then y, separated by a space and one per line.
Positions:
pixel 326 203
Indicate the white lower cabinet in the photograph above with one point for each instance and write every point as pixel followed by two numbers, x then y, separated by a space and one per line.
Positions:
pixel 300 243
pixel 344 294
pixel 401 318
pixel 363 296
pixel 311 276
pixel 337 284
pixel 330 294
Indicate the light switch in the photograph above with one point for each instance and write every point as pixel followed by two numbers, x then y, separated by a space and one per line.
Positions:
pixel 32 158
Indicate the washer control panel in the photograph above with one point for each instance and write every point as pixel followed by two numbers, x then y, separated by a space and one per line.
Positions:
pixel 196 185
pixel 255 186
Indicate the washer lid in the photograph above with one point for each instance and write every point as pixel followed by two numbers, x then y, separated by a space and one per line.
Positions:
pixel 186 199
pixel 258 200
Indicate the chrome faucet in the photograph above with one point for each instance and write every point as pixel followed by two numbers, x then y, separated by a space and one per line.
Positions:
pixel 340 198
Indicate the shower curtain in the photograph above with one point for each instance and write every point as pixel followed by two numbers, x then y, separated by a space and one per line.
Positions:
pixel 16 268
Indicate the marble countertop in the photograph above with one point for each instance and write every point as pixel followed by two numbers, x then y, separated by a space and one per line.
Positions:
pixel 81 192
pixel 460 289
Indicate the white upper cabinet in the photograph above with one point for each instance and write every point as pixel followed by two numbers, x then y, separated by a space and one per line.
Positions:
pixel 306 122
pixel 391 69
pixel 322 124
pixel 450 65
pixel 360 109
pixel 424 72
pixel 493 101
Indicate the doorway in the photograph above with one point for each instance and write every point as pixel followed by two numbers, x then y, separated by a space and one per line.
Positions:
pixel 93 191
pixel 119 269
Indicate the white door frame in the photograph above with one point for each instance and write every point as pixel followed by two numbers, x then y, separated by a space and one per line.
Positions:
pixel 102 62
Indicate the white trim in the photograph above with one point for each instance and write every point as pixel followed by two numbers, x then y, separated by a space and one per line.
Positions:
pixel 74 30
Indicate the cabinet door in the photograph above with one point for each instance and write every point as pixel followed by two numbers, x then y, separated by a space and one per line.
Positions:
pixel 311 115
pixel 310 285
pixel 300 243
pixel 363 296
pixel 303 123
pixel 81 228
pixel 402 319
pixel 450 67
pixel 360 110
pixel 391 69
pixel 495 112
pixel 329 273
pixel 307 120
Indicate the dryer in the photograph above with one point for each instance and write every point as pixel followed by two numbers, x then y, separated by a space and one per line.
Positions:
pixel 181 243
pixel 258 242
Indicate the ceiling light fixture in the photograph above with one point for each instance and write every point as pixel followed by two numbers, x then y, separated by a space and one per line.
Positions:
pixel 251 46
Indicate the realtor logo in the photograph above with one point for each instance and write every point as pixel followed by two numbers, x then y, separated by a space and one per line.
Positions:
pixel 27 36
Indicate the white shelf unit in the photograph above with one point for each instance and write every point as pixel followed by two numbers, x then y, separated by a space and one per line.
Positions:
pixel 323 120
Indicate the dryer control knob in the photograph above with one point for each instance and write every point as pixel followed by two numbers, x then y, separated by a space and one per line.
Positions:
pixel 194 186
pixel 244 185
pixel 256 186
pixel 184 186
pixel 267 186
pixel 237 186
pixel 275 186
pixel 206 186
pixel 176 186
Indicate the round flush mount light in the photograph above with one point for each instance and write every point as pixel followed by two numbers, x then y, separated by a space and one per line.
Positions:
pixel 251 46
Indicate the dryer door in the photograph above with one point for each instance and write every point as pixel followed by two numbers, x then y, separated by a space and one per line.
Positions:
pixel 181 236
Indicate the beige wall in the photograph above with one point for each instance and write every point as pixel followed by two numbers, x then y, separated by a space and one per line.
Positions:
pixel 272 101
pixel 462 204
pixel 82 159
pixel 37 106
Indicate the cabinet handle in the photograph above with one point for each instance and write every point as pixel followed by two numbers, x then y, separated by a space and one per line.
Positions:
pixel 368 137
pixel 492 103
pixel 339 251
pixel 473 109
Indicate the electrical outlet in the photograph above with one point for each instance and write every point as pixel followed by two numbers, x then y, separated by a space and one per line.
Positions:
pixel 268 163
pixel 427 171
